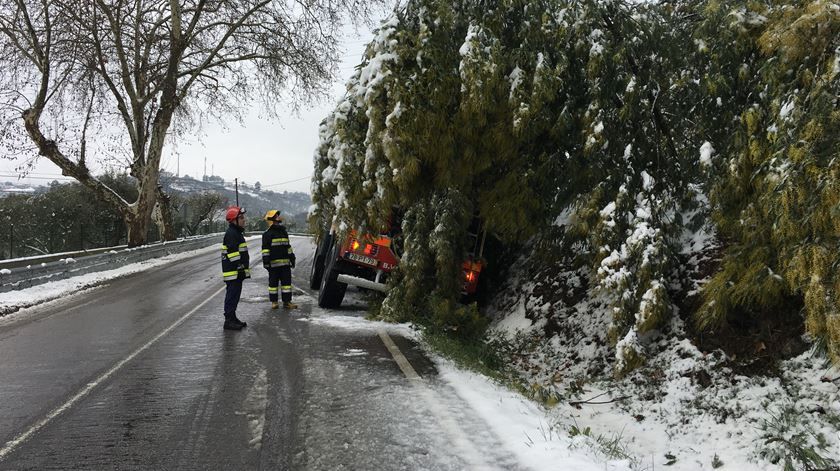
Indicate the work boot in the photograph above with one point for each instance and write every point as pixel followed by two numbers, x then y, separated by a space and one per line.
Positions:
pixel 290 305
pixel 231 324
pixel 275 305
pixel 240 322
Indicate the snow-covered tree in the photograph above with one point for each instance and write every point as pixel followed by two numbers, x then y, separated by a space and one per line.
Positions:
pixel 635 123
pixel 777 199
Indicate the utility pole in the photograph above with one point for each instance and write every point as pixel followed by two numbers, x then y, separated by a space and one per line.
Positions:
pixel 178 167
pixel 205 168
pixel 11 240
pixel 236 186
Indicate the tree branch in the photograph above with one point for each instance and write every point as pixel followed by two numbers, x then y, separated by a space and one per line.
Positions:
pixel 83 145
pixel 591 400
pixel 211 57
pixel 8 31
pixel 50 150
pixel 136 106
pixel 136 144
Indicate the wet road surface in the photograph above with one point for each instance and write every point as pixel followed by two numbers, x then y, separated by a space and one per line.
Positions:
pixel 111 380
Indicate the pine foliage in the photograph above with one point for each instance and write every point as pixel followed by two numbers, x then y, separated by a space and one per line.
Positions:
pixel 610 121
pixel 778 202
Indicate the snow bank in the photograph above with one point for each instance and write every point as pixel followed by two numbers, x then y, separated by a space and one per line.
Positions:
pixel 524 428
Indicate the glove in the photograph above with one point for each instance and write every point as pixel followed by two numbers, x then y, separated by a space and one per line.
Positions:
pixel 292 260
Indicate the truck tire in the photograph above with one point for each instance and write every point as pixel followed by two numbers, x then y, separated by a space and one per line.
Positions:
pixel 332 292
pixel 317 271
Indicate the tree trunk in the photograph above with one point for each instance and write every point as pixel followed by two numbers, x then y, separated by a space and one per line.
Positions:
pixel 150 170
pixel 167 231
pixel 136 225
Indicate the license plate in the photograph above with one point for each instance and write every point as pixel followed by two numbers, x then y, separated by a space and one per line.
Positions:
pixel 362 259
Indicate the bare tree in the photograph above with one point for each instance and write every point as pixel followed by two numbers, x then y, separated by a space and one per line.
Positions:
pixel 116 77
pixel 201 207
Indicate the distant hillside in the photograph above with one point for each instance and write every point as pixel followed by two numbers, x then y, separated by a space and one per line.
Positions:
pixel 293 205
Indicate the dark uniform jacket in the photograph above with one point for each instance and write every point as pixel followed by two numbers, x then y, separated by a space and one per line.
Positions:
pixel 235 260
pixel 276 250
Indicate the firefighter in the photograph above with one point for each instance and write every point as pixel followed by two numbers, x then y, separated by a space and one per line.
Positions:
pixel 279 259
pixel 235 265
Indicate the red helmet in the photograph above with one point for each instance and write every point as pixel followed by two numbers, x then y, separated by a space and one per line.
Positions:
pixel 233 212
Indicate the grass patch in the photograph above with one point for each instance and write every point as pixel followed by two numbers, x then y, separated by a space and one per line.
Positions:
pixel 790 442
pixel 474 355
pixel 606 447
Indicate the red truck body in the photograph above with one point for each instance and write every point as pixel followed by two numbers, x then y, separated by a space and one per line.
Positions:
pixel 366 261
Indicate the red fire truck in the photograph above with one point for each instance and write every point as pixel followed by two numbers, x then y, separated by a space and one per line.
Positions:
pixel 366 261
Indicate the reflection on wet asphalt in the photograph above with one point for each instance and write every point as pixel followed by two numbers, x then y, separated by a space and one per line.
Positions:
pixel 287 392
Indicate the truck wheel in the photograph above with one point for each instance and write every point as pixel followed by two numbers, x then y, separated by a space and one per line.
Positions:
pixel 332 292
pixel 317 271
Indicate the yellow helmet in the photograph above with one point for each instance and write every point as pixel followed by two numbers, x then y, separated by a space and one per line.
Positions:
pixel 273 215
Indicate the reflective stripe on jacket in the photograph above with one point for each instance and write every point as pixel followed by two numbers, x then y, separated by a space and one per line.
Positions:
pixel 276 249
pixel 235 259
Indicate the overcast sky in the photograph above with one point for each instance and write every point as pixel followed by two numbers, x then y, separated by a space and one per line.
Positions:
pixel 277 153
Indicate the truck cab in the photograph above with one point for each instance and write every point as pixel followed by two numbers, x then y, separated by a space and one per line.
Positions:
pixel 359 260
pixel 365 261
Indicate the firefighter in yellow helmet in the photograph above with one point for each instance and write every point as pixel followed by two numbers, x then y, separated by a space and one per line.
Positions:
pixel 279 259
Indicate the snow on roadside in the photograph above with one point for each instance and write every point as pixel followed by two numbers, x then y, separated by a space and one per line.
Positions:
pixel 523 427
pixel 362 324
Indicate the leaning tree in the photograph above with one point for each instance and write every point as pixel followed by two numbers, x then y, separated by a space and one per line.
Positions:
pixel 112 79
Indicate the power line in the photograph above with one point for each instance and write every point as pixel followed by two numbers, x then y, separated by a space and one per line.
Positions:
pixel 39 174
pixel 283 183
pixel 62 178
pixel 222 183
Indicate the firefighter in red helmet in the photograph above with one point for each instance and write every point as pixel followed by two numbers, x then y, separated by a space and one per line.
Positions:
pixel 235 265
pixel 279 259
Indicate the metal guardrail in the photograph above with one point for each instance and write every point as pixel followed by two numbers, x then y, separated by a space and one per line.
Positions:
pixel 39 271
pixel 37 260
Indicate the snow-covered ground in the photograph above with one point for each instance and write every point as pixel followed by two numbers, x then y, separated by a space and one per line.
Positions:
pixel 684 409
pixel 734 423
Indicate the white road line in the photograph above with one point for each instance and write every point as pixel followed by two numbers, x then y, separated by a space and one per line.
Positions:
pixel 402 362
pixel 12 444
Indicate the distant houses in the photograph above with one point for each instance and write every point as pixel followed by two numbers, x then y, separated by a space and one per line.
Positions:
pixel 11 188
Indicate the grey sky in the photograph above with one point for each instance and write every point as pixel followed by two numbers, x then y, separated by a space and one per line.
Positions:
pixel 272 152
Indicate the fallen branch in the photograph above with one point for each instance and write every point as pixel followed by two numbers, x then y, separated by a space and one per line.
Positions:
pixel 591 400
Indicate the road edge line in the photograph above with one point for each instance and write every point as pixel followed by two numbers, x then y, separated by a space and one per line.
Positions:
pixel 15 442
pixel 401 360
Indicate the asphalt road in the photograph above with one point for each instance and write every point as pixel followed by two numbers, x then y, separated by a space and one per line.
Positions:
pixel 138 374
